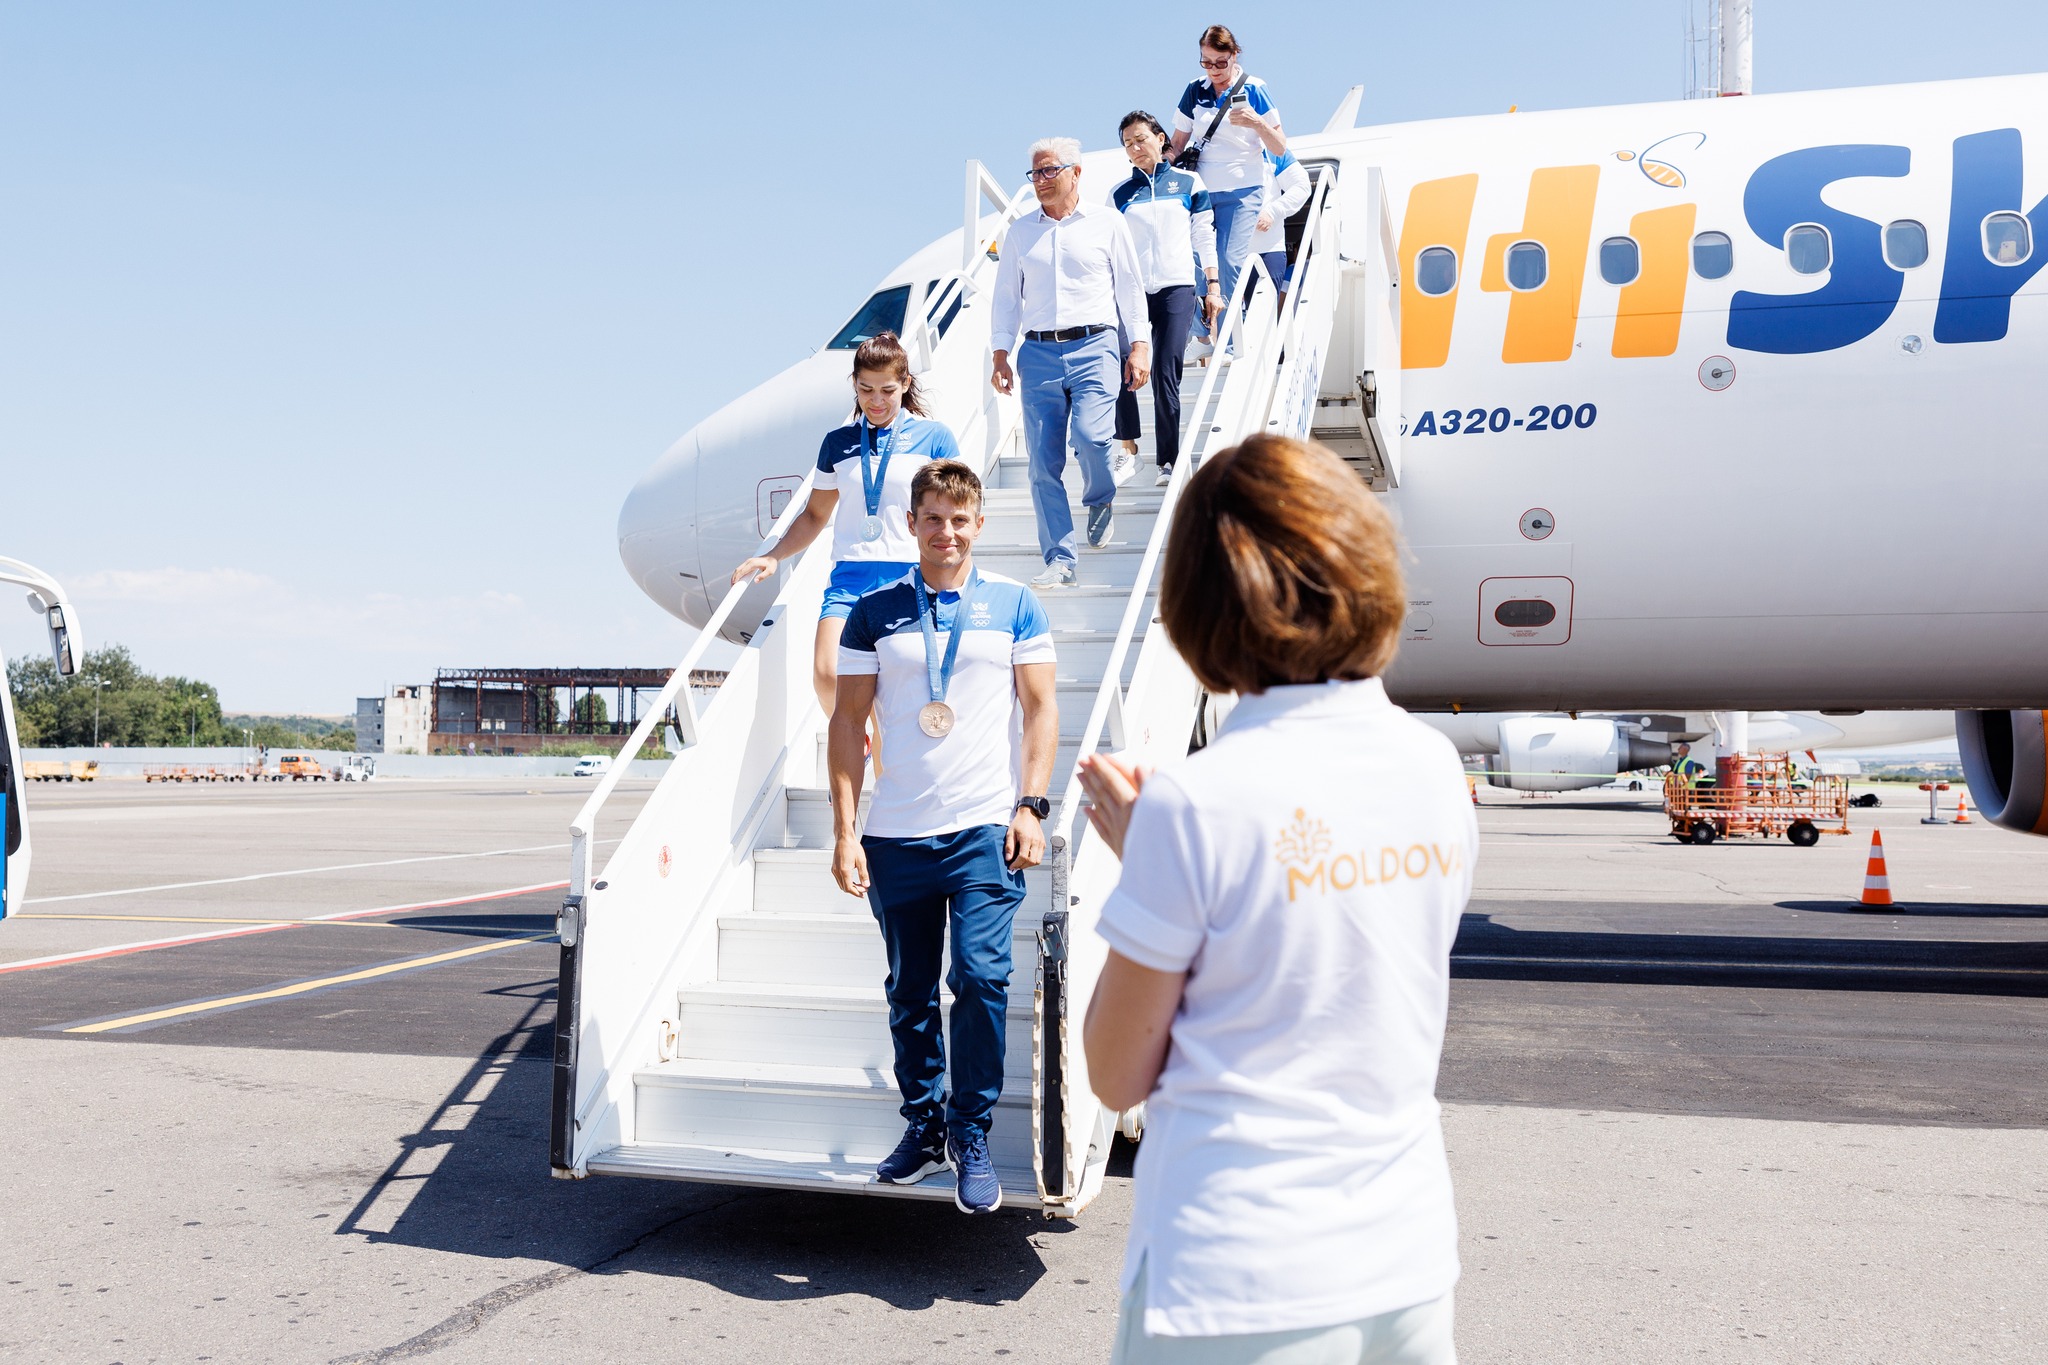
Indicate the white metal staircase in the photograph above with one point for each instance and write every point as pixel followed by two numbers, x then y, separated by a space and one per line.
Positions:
pixel 721 1015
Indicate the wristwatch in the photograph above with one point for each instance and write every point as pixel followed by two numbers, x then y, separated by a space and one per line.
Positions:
pixel 1038 805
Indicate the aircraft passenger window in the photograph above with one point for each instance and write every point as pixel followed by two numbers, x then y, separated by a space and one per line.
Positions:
pixel 1436 271
pixel 1807 249
pixel 2007 238
pixel 882 313
pixel 1528 266
pixel 1621 260
pixel 1905 244
pixel 1713 255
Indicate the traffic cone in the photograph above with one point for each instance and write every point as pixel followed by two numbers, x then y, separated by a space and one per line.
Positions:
pixel 1877 886
pixel 1963 812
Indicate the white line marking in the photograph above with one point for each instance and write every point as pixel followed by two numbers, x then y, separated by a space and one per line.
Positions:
pixel 299 872
pixel 269 926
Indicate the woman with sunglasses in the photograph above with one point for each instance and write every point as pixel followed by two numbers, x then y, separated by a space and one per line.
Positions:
pixel 1171 225
pixel 1223 127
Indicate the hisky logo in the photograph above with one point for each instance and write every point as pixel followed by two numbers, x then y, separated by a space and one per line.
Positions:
pixel 1306 849
pixel 1670 254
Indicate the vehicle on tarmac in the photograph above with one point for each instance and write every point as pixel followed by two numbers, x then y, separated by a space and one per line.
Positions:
pixel 591 765
pixel 300 767
pixel 47 600
pixel 57 770
pixel 355 768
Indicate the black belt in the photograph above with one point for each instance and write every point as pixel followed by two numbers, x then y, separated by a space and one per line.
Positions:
pixel 1068 333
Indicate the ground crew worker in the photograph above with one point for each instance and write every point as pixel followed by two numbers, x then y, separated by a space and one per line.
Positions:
pixel 869 463
pixel 1279 946
pixel 958 665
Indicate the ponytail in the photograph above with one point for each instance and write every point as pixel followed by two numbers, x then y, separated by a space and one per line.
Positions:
pixel 882 353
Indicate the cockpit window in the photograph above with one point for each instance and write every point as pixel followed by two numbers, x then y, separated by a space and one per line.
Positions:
pixel 882 313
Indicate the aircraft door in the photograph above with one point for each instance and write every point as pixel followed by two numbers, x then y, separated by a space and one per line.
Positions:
pixel 13 832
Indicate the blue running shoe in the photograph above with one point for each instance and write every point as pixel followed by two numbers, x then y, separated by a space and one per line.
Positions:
pixel 975 1187
pixel 922 1151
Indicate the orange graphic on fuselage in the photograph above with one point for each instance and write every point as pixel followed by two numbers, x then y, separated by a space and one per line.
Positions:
pixel 1650 308
pixel 1543 321
pixel 1439 214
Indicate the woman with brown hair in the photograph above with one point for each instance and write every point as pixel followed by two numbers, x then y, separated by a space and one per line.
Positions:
pixel 871 461
pixel 1280 940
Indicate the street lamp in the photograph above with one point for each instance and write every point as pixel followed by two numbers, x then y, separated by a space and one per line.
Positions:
pixel 97 684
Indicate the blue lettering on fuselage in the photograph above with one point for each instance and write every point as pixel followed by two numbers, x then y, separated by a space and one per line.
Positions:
pixel 1861 289
pixel 1976 292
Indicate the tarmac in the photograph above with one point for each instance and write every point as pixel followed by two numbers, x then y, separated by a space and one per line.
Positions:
pixel 1700 1105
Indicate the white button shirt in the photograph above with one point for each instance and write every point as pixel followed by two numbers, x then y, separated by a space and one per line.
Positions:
pixel 1307 870
pixel 1076 271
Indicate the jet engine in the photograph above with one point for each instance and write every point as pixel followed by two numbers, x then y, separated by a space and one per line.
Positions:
pixel 1557 754
pixel 2005 761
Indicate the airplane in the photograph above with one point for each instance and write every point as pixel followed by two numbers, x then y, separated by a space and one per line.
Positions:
pixel 1786 340
pixel 1528 751
pixel 47 600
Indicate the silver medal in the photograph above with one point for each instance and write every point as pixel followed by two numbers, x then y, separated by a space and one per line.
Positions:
pixel 936 719
pixel 871 529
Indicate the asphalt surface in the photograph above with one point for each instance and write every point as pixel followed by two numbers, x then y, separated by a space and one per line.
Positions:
pixel 1698 1102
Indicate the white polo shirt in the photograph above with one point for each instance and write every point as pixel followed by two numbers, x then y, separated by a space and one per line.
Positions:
pixel 914 442
pixel 1307 870
pixel 972 775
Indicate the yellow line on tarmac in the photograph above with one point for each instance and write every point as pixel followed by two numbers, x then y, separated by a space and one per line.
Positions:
pixel 300 988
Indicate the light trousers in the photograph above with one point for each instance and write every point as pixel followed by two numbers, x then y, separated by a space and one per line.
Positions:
pixel 1406 1336
pixel 1068 389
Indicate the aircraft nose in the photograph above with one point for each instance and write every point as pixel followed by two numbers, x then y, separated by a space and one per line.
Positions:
pixel 658 541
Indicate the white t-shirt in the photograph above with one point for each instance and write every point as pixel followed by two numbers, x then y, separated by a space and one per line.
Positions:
pixel 913 442
pixel 1308 870
pixel 972 776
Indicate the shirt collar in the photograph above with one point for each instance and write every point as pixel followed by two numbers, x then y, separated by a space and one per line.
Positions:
pixel 1362 697
pixel 1081 210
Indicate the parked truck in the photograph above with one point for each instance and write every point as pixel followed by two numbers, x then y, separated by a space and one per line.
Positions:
pixel 47 600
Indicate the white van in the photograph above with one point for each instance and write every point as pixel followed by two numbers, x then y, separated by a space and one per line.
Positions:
pixel 592 765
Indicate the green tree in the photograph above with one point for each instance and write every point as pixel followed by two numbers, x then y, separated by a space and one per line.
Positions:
pixel 133 708
pixel 590 710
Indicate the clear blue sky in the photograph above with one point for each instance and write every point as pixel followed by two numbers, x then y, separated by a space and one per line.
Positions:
pixel 334 334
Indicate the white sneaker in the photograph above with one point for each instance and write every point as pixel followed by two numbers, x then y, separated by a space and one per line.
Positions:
pixel 1165 478
pixel 1122 464
pixel 1058 574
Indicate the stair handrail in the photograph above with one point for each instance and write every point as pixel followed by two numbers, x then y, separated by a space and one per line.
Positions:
pixel 1107 713
pixel 976 260
pixel 675 694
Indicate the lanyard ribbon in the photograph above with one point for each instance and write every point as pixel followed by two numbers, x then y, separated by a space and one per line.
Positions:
pixel 940 675
pixel 871 479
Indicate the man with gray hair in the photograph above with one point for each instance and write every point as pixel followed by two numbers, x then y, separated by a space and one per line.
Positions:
pixel 1068 282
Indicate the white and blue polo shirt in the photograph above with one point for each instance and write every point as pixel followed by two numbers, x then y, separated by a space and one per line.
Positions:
pixel 971 776
pixel 915 442
pixel 1234 159
pixel 1171 224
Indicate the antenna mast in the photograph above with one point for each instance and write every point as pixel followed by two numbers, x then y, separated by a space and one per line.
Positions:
pixel 1717 48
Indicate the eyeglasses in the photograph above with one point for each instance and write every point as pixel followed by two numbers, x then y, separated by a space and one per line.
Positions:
pixel 1044 173
pixel 1220 64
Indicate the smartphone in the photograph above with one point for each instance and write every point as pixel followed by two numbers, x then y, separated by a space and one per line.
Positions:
pixel 1241 100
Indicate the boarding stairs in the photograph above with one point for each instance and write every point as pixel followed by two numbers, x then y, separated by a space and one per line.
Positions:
pixel 721 1013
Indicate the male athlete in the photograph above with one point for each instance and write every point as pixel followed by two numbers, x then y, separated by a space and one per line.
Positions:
pixel 958 667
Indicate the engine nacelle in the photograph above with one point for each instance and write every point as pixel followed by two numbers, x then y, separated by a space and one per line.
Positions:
pixel 1557 754
pixel 2005 761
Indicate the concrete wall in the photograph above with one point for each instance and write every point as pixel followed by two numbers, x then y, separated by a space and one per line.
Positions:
pixel 131 762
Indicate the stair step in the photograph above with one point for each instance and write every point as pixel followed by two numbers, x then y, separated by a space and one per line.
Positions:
pixel 801 950
pixel 798 881
pixel 830 1026
pixel 772 1170
pixel 1106 566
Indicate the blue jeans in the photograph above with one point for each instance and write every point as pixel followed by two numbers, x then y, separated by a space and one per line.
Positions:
pixel 1237 215
pixel 1069 391
pixel 917 887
